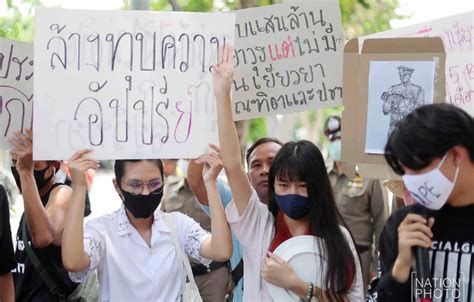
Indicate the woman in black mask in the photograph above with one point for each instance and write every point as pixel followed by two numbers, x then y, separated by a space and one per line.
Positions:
pixel 41 226
pixel 138 250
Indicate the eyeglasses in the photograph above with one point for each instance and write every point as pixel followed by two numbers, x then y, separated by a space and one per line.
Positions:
pixel 136 187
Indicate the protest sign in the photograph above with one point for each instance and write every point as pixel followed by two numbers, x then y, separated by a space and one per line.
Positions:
pixel 16 88
pixel 287 58
pixel 457 33
pixel 372 108
pixel 127 84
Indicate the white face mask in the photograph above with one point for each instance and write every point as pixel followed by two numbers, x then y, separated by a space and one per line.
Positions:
pixel 431 189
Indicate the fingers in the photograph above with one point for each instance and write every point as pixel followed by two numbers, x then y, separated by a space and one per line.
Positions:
pixel 80 162
pixel 415 230
pixel 416 242
pixel 416 235
pixel 276 258
pixel 14 155
pixel 216 148
pixel 229 53
pixel 215 158
pixel 84 165
pixel 417 227
pixel 431 222
pixel 84 161
pixel 220 59
pixel 412 218
pixel 223 54
pixel 214 68
pixel 21 138
pixel 24 139
pixel 264 269
pixel 17 143
pixel 80 153
pixel 266 263
pixel 211 159
pixel 19 150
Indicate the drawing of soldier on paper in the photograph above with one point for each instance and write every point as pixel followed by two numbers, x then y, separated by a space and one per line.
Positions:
pixel 403 98
pixel 396 88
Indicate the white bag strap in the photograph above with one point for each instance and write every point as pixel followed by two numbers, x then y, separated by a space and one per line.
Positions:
pixel 179 250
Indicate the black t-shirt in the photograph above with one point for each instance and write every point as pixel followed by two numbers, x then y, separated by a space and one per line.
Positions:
pixel 451 257
pixel 87 206
pixel 28 284
pixel 7 259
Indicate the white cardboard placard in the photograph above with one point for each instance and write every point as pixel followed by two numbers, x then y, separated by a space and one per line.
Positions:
pixel 288 58
pixel 127 84
pixel 16 89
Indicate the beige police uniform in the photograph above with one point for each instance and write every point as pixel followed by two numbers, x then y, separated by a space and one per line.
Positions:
pixel 363 205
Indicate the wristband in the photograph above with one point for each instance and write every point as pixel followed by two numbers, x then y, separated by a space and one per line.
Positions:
pixel 309 293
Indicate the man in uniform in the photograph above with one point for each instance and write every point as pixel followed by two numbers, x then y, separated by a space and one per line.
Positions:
pixel 403 98
pixel 212 280
pixel 362 202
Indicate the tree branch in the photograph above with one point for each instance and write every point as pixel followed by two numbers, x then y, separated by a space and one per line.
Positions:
pixel 175 5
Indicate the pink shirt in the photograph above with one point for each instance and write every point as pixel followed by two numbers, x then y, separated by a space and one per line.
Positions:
pixel 255 230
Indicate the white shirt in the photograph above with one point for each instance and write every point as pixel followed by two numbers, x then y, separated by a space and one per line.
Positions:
pixel 255 230
pixel 127 269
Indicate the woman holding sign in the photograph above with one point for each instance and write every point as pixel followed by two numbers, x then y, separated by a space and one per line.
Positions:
pixel 139 251
pixel 301 202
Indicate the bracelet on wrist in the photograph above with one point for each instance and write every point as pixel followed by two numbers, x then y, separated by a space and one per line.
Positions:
pixel 317 293
pixel 309 293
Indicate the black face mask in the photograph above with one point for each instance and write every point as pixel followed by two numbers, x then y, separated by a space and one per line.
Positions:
pixel 142 206
pixel 41 182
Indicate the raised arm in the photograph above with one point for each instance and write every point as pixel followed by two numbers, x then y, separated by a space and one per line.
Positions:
pixel 218 246
pixel 196 183
pixel 229 141
pixel 75 259
pixel 44 223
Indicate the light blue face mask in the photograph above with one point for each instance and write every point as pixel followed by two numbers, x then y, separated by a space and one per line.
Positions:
pixel 335 150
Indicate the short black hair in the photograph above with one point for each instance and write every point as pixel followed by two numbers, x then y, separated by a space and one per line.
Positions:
pixel 119 166
pixel 428 133
pixel 259 142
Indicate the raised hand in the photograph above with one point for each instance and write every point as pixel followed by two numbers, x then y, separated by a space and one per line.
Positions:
pixel 212 166
pixel 277 271
pixel 223 72
pixel 79 164
pixel 23 150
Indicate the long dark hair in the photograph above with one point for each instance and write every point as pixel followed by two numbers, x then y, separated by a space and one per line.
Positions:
pixel 302 161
